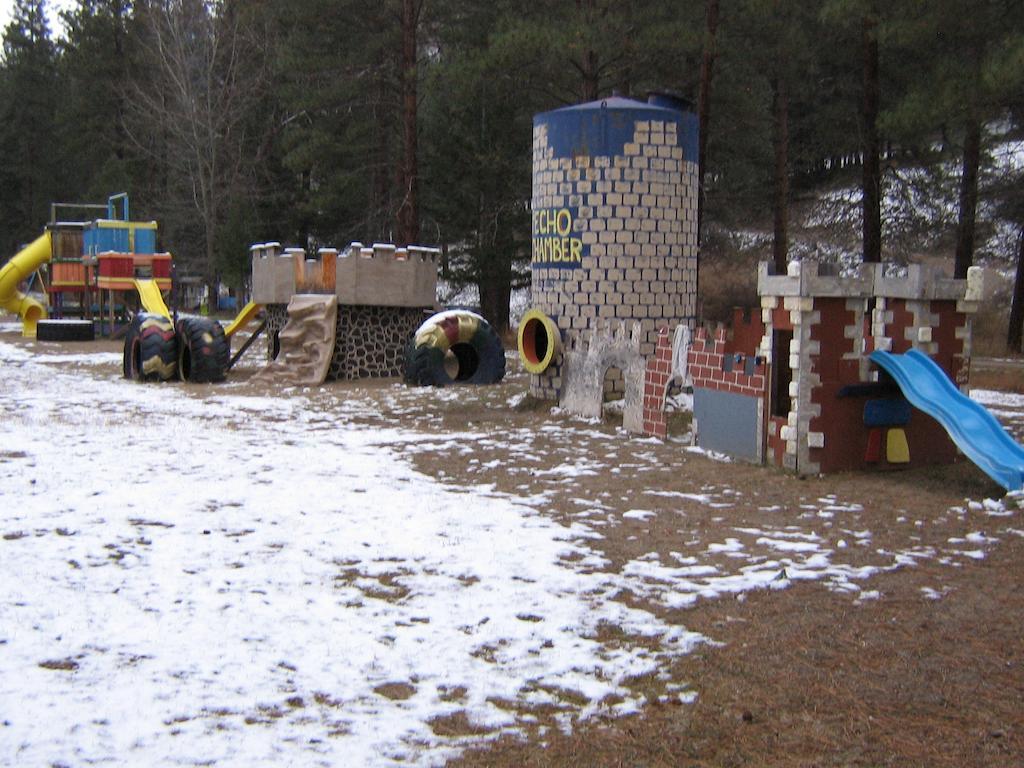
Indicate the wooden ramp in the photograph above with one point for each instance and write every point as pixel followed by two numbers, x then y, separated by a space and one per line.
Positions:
pixel 306 342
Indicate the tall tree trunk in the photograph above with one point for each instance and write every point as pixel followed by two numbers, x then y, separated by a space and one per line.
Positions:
pixel 872 176
pixel 210 265
pixel 378 219
pixel 707 65
pixel 589 65
pixel 408 210
pixel 780 197
pixel 968 197
pixel 495 291
pixel 120 139
pixel 1014 333
pixel 591 81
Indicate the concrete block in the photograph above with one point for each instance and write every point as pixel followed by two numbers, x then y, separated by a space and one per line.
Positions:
pixel 975 284
pixel 799 303
pixel 273 279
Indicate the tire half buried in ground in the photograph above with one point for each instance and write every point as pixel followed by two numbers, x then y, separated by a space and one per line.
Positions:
pixel 203 350
pixel 65 330
pixel 454 347
pixel 150 349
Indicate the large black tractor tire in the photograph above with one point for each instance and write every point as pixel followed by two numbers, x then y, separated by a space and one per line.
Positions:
pixel 150 349
pixel 65 330
pixel 454 347
pixel 203 350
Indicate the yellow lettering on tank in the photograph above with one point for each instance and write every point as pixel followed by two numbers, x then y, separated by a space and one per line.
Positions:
pixel 552 238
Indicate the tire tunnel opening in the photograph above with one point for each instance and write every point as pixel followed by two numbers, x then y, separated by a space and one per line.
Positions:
pixel 461 361
pixel 535 341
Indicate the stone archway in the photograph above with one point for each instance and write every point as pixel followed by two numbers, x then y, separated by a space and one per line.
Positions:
pixel 587 360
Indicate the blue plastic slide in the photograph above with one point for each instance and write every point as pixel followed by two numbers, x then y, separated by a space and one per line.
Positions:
pixel 975 431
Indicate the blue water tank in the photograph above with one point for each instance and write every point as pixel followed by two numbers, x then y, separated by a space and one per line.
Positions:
pixel 614 218
pixel 603 128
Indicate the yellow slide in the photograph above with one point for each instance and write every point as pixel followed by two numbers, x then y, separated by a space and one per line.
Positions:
pixel 152 299
pixel 244 317
pixel 24 263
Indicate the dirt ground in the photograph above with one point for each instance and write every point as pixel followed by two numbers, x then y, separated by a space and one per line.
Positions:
pixel 802 676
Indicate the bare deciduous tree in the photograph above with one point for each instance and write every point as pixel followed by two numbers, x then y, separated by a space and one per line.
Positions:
pixel 195 109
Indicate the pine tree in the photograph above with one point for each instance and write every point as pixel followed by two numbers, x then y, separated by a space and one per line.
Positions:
pixel 29 89
pixel 95 64
pixel 965 62
pixel 477 130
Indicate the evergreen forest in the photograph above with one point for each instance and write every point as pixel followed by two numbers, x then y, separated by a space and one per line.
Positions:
pixel 841 130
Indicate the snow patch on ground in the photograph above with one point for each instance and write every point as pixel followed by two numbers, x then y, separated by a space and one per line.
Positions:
pixel 194 573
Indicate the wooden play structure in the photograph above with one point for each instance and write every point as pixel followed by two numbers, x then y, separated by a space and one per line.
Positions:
pixel 87 268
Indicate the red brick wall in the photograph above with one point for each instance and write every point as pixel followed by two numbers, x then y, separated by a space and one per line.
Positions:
pixel 747 331
pixel 902 318
pixel 950 355
pixel 841 419
pixel 656 379
pixel 706 361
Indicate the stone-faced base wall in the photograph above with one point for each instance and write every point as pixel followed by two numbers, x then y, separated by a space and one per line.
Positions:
pixel 370 340
pixel 277 319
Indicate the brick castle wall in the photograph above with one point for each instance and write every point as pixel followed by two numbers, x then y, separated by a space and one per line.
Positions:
pixel 835 324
